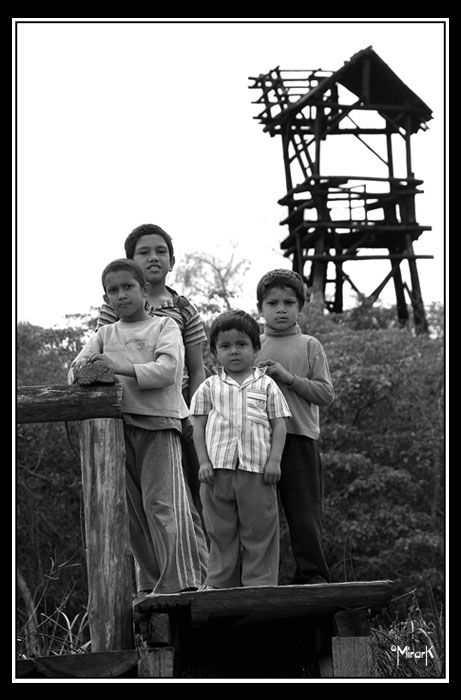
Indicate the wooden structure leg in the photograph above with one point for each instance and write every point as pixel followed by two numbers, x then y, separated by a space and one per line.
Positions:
pixel 353 657
pixel 109 557
pixel 156 662
pixel 160 636
pixel 352 648
pixel 326 666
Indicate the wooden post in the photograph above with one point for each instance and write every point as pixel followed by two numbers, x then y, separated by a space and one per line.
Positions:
pixel 156 663
pixel 353 657
pixel 353 651
pixel 109 560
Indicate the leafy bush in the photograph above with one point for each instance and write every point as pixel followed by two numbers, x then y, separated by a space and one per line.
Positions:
pixel 50 547
pixel 382 445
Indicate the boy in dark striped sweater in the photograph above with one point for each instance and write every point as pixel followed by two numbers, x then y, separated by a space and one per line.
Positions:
pixel 152 249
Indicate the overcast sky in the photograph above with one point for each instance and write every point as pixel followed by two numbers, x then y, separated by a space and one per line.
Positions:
pixel 123 123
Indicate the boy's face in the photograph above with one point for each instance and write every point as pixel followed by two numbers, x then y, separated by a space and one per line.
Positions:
pixel 152 255
pixel 125 294
pixel 280 308
pixel 235 352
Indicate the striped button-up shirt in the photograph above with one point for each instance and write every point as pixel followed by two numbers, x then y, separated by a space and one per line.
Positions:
pixel 238 429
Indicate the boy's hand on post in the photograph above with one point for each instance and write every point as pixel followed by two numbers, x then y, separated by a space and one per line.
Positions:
pixel 272 472
pixel 75 368
pixel 120 367
pixel 100 357
pixel 205 473
pixel 277 371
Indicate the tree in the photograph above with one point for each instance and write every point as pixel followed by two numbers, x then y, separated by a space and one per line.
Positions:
pixel 212 282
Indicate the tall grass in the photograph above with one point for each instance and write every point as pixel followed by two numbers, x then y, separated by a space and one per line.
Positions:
pixel 413 647
pixel 40 633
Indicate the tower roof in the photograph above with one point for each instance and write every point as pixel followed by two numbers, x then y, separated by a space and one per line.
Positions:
pixel 385 88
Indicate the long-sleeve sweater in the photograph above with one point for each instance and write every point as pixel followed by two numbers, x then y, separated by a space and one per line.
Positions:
pixel 155 349
pixel 304 356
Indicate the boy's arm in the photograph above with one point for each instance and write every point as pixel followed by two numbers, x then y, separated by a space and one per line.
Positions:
pixel 93 346
pixel 205 473
pixel 154 374
pixel 195 369
pixel 317 389
pixel 162 371
pixel 272 470
pixel 118 366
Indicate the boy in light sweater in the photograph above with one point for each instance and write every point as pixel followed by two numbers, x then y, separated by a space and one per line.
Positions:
pixel 299 365
pixel 147 355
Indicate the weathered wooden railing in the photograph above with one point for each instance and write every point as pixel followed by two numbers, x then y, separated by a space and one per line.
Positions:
pixel 102 449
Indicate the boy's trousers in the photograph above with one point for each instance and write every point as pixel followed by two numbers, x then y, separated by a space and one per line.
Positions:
pixel 191 467
pixel 169 552
pixel 242 521
pixel 301 494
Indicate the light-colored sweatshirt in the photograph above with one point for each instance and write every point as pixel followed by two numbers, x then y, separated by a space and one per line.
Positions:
pixel 304 356
pixel 156 350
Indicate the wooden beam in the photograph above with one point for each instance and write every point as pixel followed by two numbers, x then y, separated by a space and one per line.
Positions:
pixel 359 106
pixel 374 295
pixel 345 178
pixel 110 664
pixel 51 403
pixel 109 559
pixel 269 602
pixel 376 227
pixel 348 279
pixel 392 256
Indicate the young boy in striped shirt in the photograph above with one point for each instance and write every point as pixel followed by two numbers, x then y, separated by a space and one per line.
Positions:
pixel 299 365
pixel 147 356
pixel 239 432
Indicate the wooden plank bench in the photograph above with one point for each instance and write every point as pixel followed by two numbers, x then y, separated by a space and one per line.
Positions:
pixel 330 620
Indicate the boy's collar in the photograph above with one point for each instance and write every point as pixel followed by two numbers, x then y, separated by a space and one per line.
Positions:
pixel 166 302
pixel 295 329
pixel 257 372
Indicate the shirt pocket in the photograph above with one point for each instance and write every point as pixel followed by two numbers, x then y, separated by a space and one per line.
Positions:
pixel 256 405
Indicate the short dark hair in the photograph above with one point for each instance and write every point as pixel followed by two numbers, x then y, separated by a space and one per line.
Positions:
pixel 124 264
pixel 146 230
pixel 281 278
pixel 239 320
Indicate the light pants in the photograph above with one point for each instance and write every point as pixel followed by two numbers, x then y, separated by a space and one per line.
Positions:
pixel 169 548
pixel 241 518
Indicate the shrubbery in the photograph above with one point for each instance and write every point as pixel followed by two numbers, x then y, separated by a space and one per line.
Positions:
pixel 382 445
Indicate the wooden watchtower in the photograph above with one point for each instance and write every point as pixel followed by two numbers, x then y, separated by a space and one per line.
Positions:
pixel 332 217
